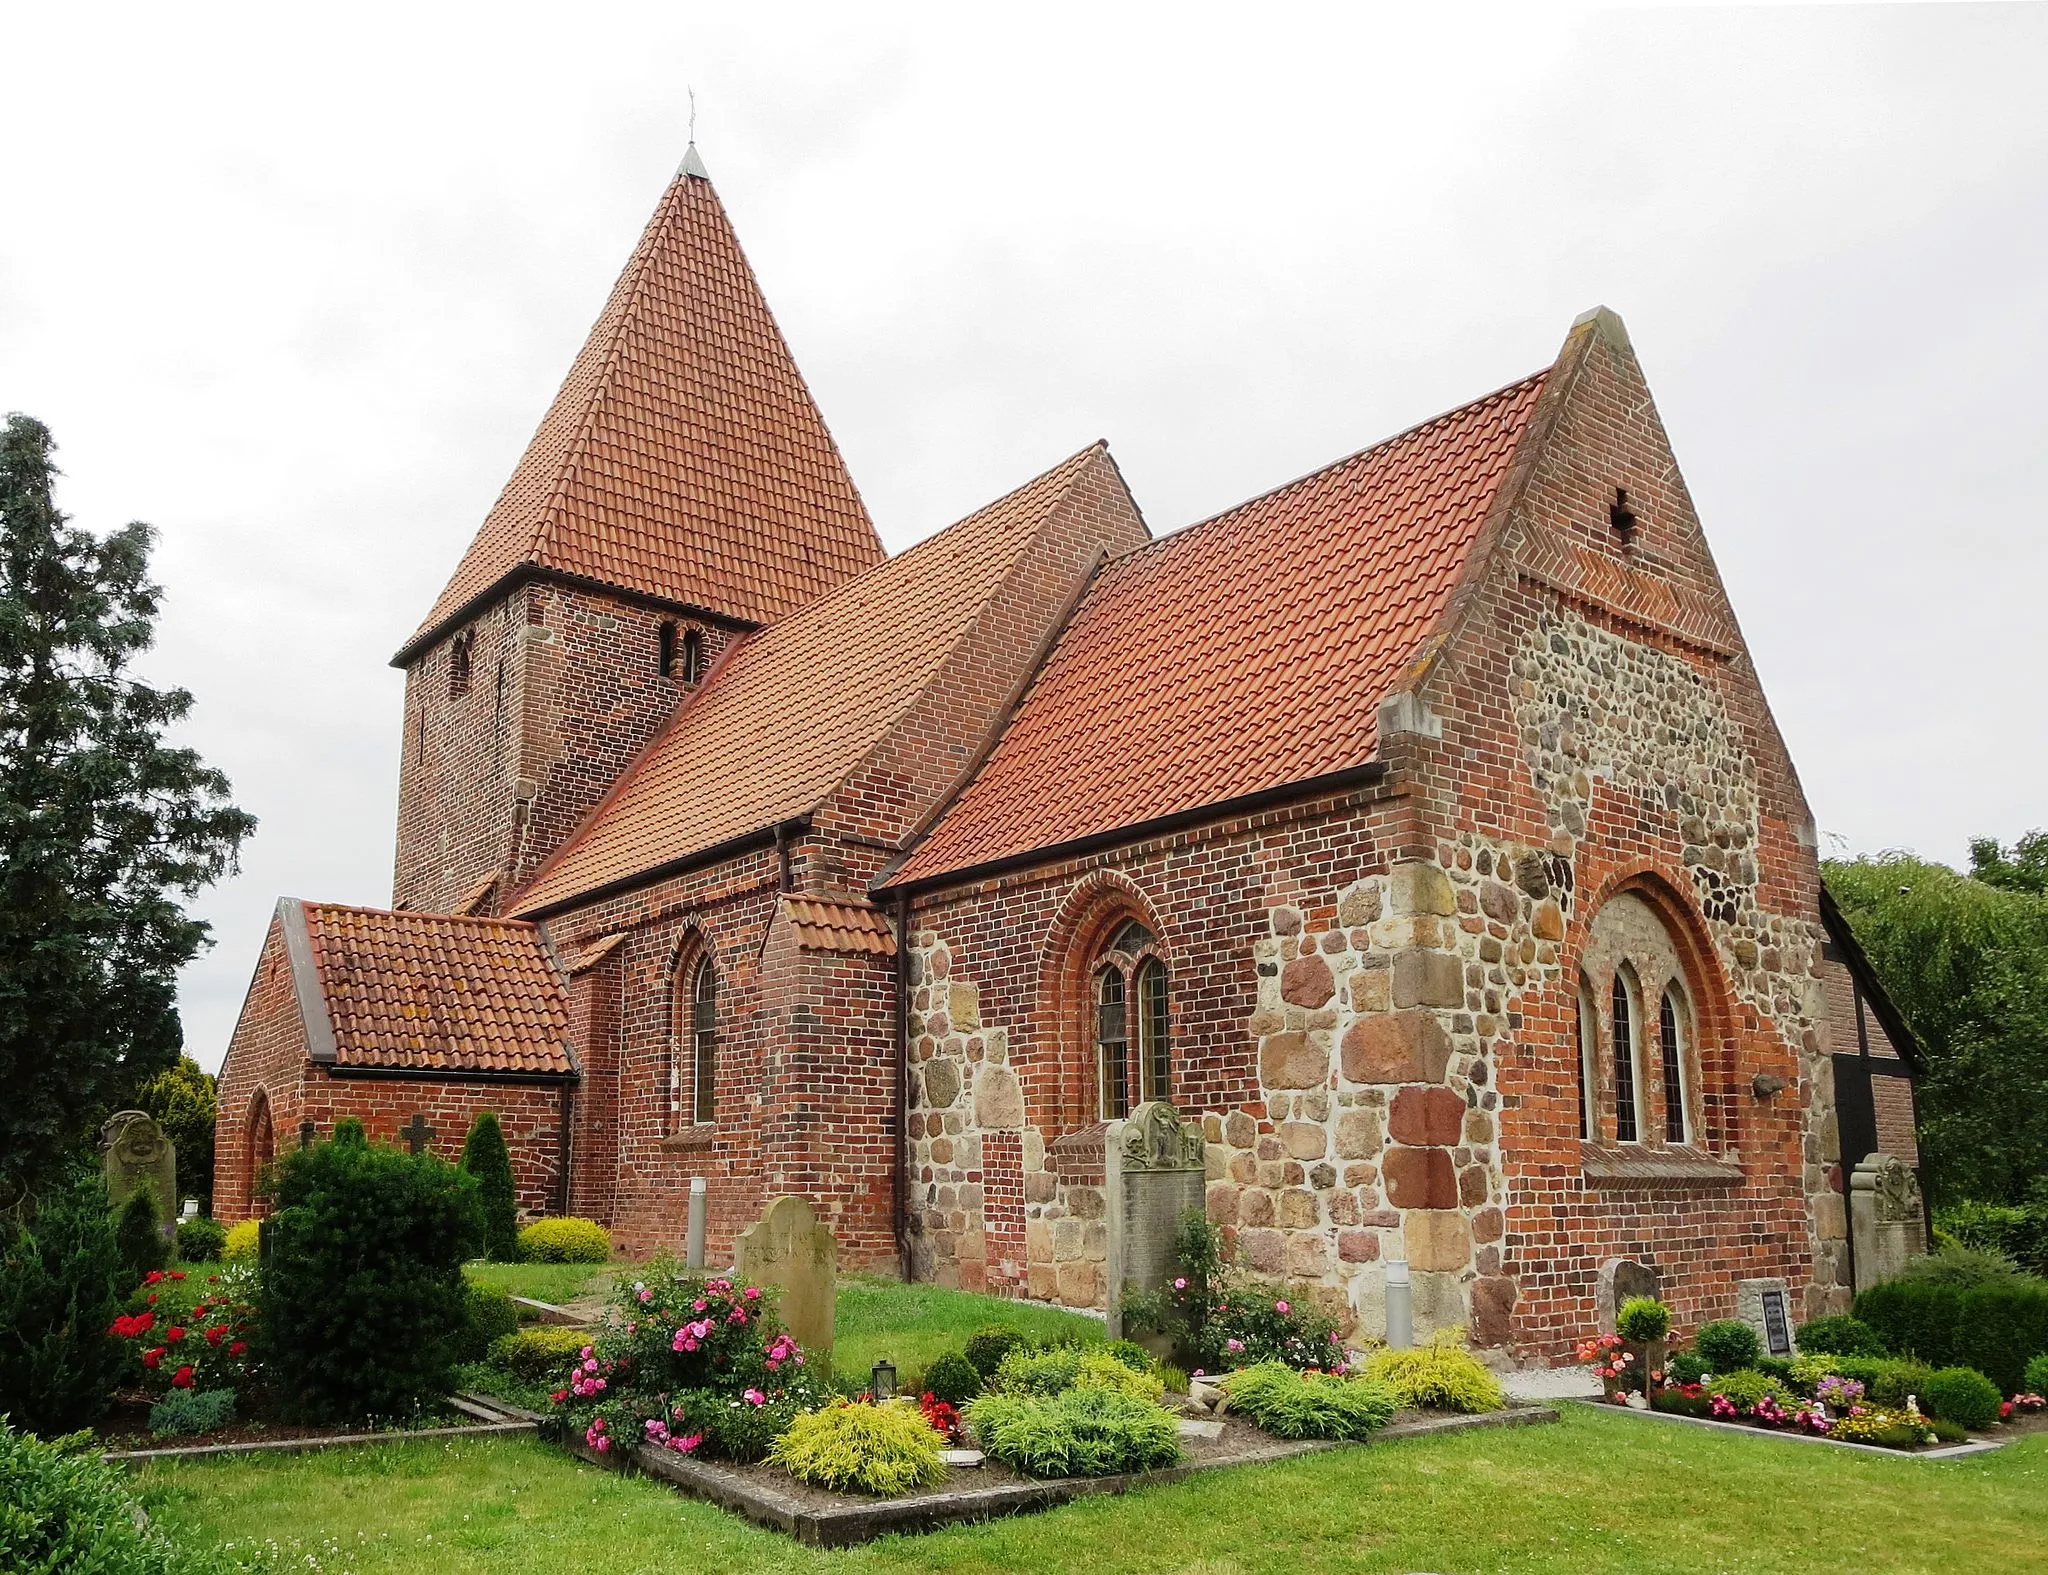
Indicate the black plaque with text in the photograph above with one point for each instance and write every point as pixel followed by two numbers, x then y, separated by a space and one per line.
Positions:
pixel 1777 1327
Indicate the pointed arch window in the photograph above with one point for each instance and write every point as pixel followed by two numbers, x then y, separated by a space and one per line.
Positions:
pixel 1676 1126
pixel 262 1150
pixel 1132 1009
pixel 703 1042
pixel 1589 1062
pixel 1626 1127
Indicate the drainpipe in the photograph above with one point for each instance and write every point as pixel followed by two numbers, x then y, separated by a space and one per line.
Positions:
pixel 562 1147
pixel 900 1179
pixel 784 879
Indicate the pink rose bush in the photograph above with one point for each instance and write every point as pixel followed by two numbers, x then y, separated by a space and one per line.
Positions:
pixel 688 1363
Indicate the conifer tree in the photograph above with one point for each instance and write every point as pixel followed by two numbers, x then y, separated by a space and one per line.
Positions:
pixel 485 1157
pixel 103 829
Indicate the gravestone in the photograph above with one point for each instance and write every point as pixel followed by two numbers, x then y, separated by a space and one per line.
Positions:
pixel 1887 1222
pixel 789 1248
pixel 1621 1281
pixel 1152 1174
pixel 1766 1306
pixel 134 1151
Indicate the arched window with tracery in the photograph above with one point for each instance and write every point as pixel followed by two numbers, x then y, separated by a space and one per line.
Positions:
pixel 1670 1018
pixel 1641 1049
pixel 1132 1018
pixel 1626 1128
pixel 703 1041
pixel 1589 1062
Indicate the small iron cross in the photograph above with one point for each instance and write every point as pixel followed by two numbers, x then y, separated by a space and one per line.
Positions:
pixel 418 1134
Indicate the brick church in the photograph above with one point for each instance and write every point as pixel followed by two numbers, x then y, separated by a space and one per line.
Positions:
pixel 1419 827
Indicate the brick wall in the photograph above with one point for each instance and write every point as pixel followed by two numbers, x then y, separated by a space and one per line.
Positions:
pixel 565 690
pixel 261 1073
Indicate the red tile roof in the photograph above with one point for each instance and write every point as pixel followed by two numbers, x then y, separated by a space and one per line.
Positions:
pixel 1247 652
pixel 436 991
pixel 840 926
pixel 791 709
pixel 683 457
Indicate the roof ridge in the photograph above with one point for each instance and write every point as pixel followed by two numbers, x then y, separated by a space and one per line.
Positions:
pixel 415 913
pixel 1185 531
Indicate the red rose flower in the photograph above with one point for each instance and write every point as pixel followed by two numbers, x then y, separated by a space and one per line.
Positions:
pixel 213 1335
pixel 154 1277
pixel 237 1348
pixel 173 1335
pixel 151 1357
pixel 182 1378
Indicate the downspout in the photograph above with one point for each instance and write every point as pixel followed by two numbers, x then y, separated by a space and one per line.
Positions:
pixel 783 874
pixel 562 1149
pixel 900 1172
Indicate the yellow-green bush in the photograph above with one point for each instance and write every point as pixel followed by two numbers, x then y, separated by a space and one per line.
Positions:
pixel 887 1448
pixel 1067 1367
pixel 1441 1375
pixel 565 1239
pixel 546 1351
pixel 1291 1404
pixel 242 1242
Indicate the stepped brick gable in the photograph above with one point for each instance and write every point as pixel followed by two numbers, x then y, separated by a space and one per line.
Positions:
pixel 1419 828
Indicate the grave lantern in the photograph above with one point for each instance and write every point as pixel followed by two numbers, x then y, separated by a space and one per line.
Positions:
pixel 883 1380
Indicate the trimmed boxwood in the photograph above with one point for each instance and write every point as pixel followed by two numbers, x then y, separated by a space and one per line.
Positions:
pixel 564 1238
pixel 1996 1329
pixel 1840 1335
pixel 952 1378
pixel 1728 1345
pixel 1961 1395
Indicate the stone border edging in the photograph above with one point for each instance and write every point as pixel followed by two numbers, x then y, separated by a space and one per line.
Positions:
pixel 1976 1446
pixel 291 1446
pixel 842 1526
pixel 549 1313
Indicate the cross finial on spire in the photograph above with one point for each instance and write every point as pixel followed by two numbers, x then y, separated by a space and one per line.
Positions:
pixel 692 164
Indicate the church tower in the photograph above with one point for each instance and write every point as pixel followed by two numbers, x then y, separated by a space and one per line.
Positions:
pixel 681 490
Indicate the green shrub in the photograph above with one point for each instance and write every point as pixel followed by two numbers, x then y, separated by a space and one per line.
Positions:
pixel 63 1511
pixel 888 1448
pixel 986 1348
pixel 541 1353
pixel 1746 1386
pixel 2019 1233
pixel 1727 1345
pixel 1131 1354
pixel 243 1241
pixel 1440 1375
pixel 1065 1367
pixel 952 1378
pixel 364 1302
pixel 191 1411
pixel 1643 1319
pixel 1994 1327
pixel 1961 1395
pixel 1079 1433
pixel 140 1232
pixel 485 1157
pixel 201 1240
pixel 1778 1367
pixel 1960 1266
pixel 565 1239
pixel 488 1314
pixel 61 1282
pixel 2036 1376
pixel 1289 1403
pixel 735 1428
pixel 1842 1335
pixel 1898 1379
pixel 1687 1367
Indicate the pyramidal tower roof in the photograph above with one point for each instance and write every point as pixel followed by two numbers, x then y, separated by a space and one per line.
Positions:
pixel 683 459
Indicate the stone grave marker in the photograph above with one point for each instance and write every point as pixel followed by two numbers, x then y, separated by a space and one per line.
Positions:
pixel 1621 1281
pixel 134 1151
pixel 1766 1306
pixel 789 1248
pixel 1152 1174
pixel 1887 1223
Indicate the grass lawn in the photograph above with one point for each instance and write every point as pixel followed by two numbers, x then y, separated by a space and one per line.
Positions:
pixel 1596 1493
pixel 911 1324
pixel 554 1283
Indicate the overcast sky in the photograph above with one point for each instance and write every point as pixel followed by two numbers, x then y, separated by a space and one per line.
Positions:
pixel 294 284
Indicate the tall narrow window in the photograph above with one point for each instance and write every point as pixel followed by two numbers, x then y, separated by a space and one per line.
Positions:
pixel 1625 1129
pixel 1154 1063
pixel 1674 1070
pixel 665 657
pixel 703 1041
pixel 693 656
pixel 1588 1062
pixel 1113 1043
pixel 458 663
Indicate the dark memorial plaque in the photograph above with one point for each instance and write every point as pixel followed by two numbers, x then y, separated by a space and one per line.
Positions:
pixel 1777 1327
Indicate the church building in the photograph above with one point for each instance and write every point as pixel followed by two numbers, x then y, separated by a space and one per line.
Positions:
pixel 1418 827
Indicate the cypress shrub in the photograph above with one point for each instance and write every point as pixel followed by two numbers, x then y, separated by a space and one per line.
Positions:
pixel 1995 1328
pixel 485 1157
pixel 61 1284
pixel 1840 1335
pixel 1914 1317
pixel 364 1299
pixel 141 1235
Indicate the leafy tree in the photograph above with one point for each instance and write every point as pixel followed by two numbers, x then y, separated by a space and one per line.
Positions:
pixel 485 1157
pixel 182 1100
pixel 61 1284
pixel 103 829
pixel 2024 868
pixel 1966 960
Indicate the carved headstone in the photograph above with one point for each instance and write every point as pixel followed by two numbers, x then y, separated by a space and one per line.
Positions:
pixel 1887 1221
pixel 788 1247
pixel 1621 1281
pixel 135 1152
pixel 1766 1306
pixel 1152 1170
